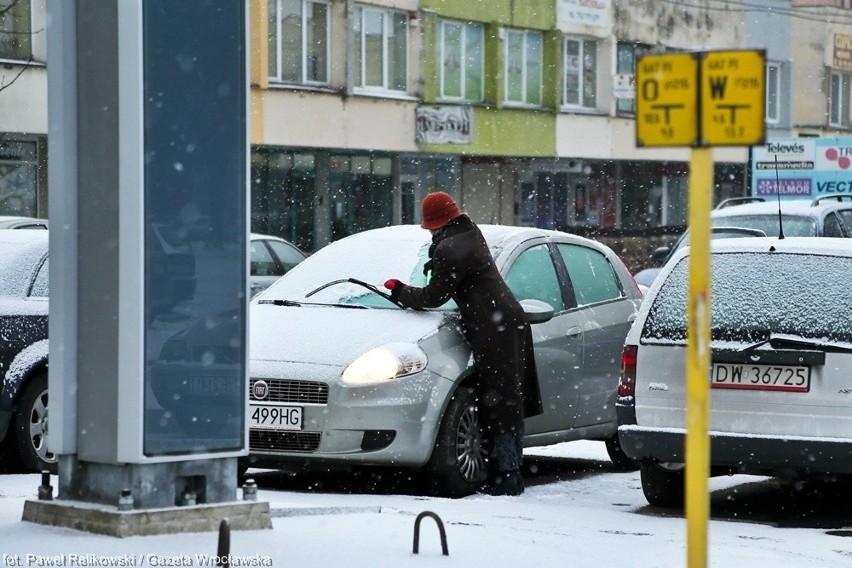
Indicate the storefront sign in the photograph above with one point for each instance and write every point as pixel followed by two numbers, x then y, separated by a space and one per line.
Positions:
pixel 624 86
pixel 444 125
pixel 802 167
pixel 584 12
pixel 842 52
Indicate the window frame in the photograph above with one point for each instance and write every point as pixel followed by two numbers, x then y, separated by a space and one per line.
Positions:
pixel 838 100
pixel 636 50
pixel 464 58
pixel 359 83
pixel 303 71
pixel 526 34
pixel 581 83
pixel 26 44
pixel 773 118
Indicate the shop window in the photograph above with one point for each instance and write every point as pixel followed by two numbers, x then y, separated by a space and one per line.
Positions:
pixel 580 84
pixel 522 66
pixel 282 195
pixel 462 49
pixel 298 41
pixel 16 30
pixel 360 196
pixel 18 178
pixel 381 49
pixel 841 84
pixel 773 93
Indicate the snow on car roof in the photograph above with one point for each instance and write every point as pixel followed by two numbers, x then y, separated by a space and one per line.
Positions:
pixel 788 207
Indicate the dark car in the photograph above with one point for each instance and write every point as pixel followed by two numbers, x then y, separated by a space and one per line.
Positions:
pixel 271 258
pixel 23 349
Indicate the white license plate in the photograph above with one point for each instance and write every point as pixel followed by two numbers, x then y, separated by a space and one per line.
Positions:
pixel 275 417
pixel 793 378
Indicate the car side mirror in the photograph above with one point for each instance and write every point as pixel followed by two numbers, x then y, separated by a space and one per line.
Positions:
pixel 659 255
pixel 537 311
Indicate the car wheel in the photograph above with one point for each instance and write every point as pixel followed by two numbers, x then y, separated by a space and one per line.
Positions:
pixel 662 483
pixel 31 427
pixel 622 461
pixel 459 465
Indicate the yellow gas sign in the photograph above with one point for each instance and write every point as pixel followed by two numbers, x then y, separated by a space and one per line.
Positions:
pixel 667 100
pixel 733 98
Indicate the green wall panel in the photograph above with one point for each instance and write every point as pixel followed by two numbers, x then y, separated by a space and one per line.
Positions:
pixel 539 14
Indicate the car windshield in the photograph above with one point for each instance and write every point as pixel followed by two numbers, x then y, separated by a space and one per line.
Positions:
pixel 794 225
pixel 372 257
pixel 752 294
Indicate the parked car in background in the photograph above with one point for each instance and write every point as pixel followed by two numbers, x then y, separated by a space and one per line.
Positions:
pixel 781 327
pixel 271 258
pixel 23 349
pixel 14 222
pixel 341 376
pixel 825 216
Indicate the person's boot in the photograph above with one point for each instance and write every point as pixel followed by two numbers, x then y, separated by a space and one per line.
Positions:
pixel 505 483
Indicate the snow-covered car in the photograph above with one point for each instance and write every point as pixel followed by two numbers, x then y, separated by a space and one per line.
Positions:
pixel 825 216
pixel 270 258
pixel 781 351
pixel 342 376
pixel 23 349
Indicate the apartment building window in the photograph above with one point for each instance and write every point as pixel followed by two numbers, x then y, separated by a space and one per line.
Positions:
pixel 841 84
pixel 628 53
pixel 298 41
pixel 523 62
pixel 462 49
pixel 579 89
pixel 381 49
pixel 15 30
pixel 773 92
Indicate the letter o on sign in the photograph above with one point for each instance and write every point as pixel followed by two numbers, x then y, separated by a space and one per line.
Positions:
pixel 650 89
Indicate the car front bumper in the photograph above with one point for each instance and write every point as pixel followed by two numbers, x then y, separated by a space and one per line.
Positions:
pixel 393 423
pixel 762 455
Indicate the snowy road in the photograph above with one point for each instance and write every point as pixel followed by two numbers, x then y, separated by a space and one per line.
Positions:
pixel 577 511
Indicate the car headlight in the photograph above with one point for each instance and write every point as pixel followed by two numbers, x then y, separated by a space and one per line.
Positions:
pixel 385 363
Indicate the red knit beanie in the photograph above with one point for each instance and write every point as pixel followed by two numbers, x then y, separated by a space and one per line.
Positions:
pixel 438 210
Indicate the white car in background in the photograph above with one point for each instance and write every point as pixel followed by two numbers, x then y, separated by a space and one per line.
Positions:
pixel 781 373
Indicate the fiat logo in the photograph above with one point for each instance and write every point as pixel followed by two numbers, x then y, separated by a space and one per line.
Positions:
pixel 260 390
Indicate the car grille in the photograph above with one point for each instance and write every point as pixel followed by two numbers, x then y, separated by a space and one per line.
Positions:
pixel 300 392
pixel 279 441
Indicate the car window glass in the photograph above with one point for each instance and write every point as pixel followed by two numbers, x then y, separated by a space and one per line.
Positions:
pixel 287 255
pixel 846 218
pixel 40 287
pixel 591 274
pixel 752 294
pixel 831 227
pixel 262 263
pixel 794 225
pixel 533 276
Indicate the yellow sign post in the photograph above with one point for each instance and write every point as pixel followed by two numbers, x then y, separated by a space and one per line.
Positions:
pixel 733 98
pixel 666 101
pixel 717 102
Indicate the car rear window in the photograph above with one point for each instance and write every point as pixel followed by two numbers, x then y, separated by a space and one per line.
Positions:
pixel 754 294
pixel 794 225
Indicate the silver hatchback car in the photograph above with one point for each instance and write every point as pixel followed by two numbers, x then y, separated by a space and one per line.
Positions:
pixel 781 350
pixel 342 376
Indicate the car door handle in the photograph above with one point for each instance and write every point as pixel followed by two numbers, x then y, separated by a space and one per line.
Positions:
pixel 574 333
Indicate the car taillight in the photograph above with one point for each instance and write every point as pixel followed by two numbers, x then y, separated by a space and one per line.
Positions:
pixel 627 383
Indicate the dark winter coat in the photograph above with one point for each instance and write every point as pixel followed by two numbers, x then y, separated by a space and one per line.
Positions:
pixel 494 322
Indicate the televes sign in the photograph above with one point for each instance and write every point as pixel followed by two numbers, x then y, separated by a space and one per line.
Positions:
pixel 801 168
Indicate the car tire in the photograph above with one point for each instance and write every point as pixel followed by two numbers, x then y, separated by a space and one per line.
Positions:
pixel 662 485
pixel 31 427
pixel 459 462
pixel 622 461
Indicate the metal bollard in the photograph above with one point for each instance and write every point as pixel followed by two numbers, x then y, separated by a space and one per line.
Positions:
pixel 441 530
pixel 45 490
pixel 250 490
pixel 223 551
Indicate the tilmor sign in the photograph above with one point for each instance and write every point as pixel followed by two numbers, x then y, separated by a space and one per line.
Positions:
pixel 444 125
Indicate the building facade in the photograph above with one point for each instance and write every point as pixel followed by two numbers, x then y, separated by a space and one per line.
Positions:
pixel 522 110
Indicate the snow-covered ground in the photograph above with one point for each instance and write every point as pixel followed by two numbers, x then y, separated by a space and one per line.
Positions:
pixel 592 517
